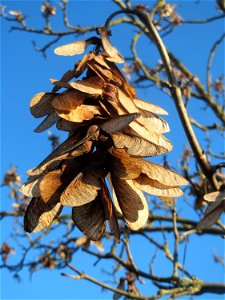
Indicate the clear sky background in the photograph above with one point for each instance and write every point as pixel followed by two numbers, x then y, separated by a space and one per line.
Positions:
pixel 25 72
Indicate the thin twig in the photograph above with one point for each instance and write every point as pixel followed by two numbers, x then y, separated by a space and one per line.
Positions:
pixel 176 244
pixel 204 21
pixel 85 276
pixel 210 59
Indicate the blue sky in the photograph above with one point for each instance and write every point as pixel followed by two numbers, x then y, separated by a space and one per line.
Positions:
pixel 25 72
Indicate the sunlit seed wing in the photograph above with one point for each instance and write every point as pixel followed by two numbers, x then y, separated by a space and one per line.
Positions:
pixel 83 189
pixel 118 123
pixel 83 241
pixel 40 104
pixel 113 53
pixel 154 188
pixel 215 196
pixel 70 106
pixel 149 107
pixel 132 203
pixel 127 102
pixel 68 100
pixel 156 123
pixel 71 49
pixel 39 214
pixel 162 174
pixel 76 48
pixel 80 113
pixel 136 146
pixel 102 62
pixel 152 123
pixel 51 186
pixel 124 166
pixel 31 188
pixel 153 137
pixel 82 65
pixel 92 85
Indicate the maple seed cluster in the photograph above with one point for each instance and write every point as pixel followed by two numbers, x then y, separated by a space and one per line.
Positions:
pixel 110 130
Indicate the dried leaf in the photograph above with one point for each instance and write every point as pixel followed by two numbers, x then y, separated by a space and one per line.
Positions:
pixel 118 123
pixel 132 203
pixel 76 48
pixel 83 189
pixel 90 219
pixel 40 214
pixel 40 104
pixel 48 122
pixel 146 106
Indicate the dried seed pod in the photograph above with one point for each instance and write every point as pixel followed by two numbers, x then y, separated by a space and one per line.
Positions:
pixel 110 129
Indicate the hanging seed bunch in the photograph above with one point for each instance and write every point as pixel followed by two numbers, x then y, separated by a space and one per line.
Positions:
pixel 98 170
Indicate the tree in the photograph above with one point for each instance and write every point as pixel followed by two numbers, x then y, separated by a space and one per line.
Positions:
pixel 120 127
